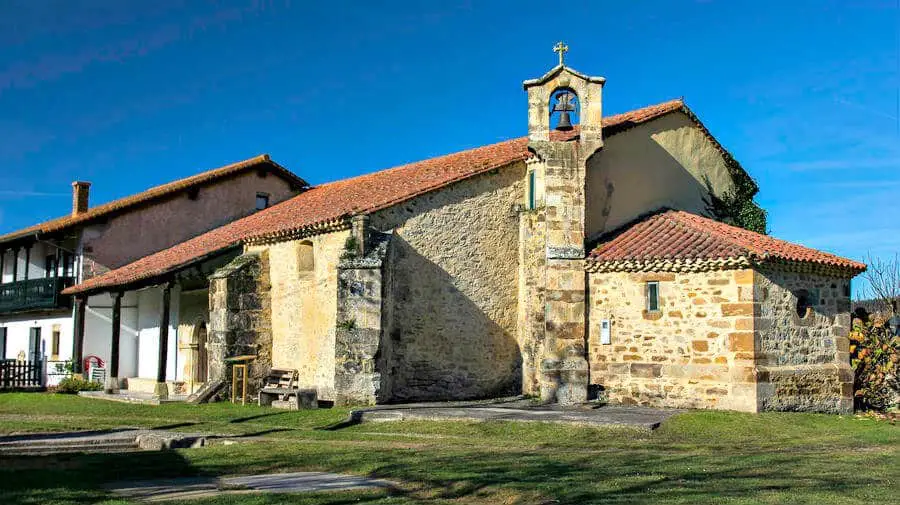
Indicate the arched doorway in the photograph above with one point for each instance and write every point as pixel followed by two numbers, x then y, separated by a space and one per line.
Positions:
pixel 200 357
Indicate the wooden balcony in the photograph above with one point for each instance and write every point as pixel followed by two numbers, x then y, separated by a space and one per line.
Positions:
pixel 35 294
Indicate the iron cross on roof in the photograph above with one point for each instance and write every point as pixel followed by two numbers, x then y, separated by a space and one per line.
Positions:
pixel 562 49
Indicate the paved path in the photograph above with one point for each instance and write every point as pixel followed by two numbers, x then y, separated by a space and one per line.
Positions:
pixel 519 410
pixel 202 487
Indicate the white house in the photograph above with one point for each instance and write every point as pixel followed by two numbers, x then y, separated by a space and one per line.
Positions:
pixel 36 263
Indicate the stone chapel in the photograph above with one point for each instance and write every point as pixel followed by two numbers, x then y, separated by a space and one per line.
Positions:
pixel 585 260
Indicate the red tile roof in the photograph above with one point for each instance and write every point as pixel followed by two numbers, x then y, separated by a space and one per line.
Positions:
pixel 679 237
pixel 123 204
pixel 338 200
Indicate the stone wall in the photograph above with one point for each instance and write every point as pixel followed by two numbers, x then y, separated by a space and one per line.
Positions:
pixel 697 351
pixel 304 281
pixel 452 301
pixel 240 318
pixel 361 351
pixel 803 360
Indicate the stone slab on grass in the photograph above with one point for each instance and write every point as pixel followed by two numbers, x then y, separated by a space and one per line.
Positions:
pixel 203 487
pixel 610 415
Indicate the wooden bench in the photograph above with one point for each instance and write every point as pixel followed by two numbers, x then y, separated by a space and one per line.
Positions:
pixel 281 390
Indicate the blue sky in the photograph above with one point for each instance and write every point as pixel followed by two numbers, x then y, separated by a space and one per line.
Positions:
pixel 133 94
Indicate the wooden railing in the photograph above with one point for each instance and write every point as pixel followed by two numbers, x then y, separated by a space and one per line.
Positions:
pixel 35 294
pixel 21 374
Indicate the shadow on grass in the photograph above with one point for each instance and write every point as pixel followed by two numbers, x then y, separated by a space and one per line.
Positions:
pixel 251 418
pixel 354 419
pixel 638 473
pixel 174 426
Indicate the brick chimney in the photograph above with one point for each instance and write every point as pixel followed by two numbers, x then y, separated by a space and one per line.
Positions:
pixel 80 193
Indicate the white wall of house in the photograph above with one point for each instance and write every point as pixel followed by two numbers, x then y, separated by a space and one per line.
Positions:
pixel 37 264
pixel 150 310
pixel 18 331
pixel 98 331
pixel 139 334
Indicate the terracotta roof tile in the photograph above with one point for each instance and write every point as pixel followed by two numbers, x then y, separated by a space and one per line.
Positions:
pixel 679 235
pixel 341 199
pixel 151 194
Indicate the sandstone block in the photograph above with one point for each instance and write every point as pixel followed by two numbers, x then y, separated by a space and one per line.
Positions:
pixel 741 341
pixel 646 371
pixel 739 309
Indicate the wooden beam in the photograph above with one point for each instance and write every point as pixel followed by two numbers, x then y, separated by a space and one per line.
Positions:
pixel 27 260
pixel 113 380
pixel 78 344
pixel 15 263
pixel 164 335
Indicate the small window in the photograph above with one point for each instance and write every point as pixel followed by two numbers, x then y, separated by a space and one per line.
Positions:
pixel 54 343
pixel 262 201
pixel 531 190
pixel 653 296
pixel 306 260
pixel 2 343
pixel 805 302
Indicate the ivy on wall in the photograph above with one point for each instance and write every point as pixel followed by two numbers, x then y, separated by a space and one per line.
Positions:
pixel 737 206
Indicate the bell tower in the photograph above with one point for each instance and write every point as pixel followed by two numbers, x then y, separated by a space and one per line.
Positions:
pixel 552 250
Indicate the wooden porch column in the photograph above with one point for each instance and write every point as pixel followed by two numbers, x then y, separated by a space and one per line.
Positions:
pixel 56 261
pixel 15 263
pixel 78 344
pixel 161 389
pixel 27 260
pixel 112 380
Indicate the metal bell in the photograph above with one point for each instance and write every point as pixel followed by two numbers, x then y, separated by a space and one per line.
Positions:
pixel 565 122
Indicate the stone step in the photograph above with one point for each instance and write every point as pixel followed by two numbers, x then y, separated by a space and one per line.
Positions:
pixel 62 438
pixel 69 448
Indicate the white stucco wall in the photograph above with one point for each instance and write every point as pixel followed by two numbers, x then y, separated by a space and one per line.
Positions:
pixel 663 163
pixel 98 331
pixel 18 330
pixel 149 312
pixel 139 334
pixel 37 262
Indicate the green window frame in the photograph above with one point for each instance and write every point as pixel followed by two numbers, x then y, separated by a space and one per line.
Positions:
pixel 531 190
pixel 653 296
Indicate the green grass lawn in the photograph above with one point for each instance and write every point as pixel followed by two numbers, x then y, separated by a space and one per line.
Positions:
pixel 696 457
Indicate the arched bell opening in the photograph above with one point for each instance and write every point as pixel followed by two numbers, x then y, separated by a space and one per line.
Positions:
pixel 565 109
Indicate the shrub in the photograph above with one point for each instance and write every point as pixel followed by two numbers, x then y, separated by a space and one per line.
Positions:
pixel 875 357
pixel 72 385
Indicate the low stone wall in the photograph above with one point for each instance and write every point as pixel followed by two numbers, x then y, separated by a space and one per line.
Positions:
pixel 240 319
pixel 697 351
